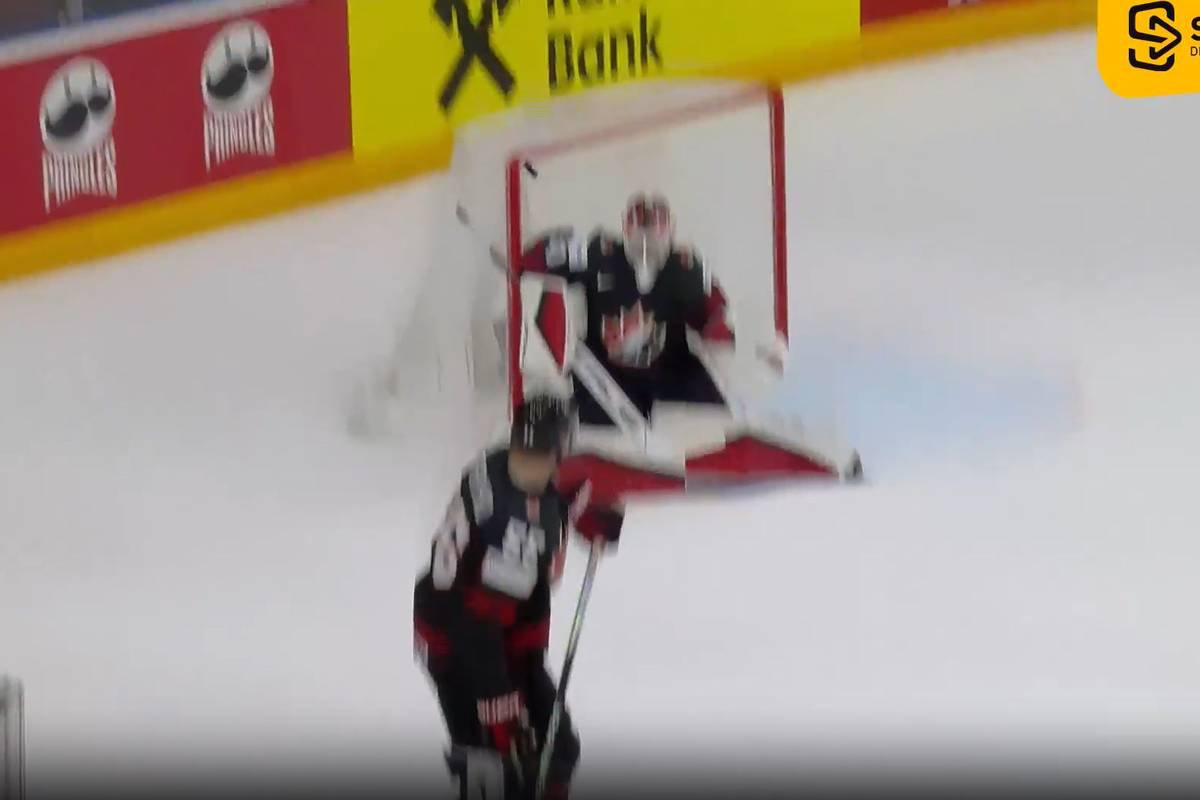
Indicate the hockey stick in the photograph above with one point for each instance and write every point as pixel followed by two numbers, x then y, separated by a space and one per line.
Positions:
pixel 609 394
pixel 560 695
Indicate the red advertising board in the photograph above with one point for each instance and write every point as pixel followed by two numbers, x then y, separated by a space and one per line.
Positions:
pixel 879 10
pixel 175 110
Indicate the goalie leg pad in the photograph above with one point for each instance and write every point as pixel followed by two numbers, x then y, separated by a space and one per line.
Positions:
pixel 553 319
pixel 750 454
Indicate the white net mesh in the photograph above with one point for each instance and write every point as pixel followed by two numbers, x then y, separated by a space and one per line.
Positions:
pixel 708 147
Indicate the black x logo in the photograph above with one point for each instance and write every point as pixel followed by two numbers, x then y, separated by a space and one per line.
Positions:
pixel 476 45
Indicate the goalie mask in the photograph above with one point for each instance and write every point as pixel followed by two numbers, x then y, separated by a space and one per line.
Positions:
pixel 648 233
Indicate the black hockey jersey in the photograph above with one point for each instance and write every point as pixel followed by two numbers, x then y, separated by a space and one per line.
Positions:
pixel 493 560
pixel 625 326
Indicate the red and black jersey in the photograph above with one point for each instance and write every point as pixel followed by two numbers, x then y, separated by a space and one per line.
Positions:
pixel 619 314
pixel 492 563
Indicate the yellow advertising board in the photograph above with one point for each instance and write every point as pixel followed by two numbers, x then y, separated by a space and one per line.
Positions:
pixel 1149 48
pixel 421 67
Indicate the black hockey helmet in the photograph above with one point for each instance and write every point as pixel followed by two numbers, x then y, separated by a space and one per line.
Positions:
pixel 543 424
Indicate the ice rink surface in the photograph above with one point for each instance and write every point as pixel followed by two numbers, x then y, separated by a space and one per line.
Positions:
pixel 994 289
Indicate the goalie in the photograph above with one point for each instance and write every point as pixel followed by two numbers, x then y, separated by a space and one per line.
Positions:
pixel 633 323
pixel 642 296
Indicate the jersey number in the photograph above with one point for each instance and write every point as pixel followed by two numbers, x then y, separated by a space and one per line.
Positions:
pixel 513 567
pixel 448 544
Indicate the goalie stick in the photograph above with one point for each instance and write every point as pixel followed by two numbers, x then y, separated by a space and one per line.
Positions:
pixel 560 694
pixel 609 394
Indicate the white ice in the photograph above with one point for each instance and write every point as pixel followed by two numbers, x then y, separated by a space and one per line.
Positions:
pixel 993 271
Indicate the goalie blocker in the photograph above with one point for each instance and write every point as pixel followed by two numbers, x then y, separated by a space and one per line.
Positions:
pixel 640 332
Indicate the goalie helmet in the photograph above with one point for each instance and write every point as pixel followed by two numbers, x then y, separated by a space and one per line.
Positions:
pixel 543 424
pixel 648 231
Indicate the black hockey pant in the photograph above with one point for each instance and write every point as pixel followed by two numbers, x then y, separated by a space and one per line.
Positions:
pixel 686 380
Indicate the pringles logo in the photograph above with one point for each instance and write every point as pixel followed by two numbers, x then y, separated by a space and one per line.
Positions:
pixel 235 82
pixel 78 111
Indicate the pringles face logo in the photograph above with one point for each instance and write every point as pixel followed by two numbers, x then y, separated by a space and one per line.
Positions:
pixel 78 111
pixel 236 80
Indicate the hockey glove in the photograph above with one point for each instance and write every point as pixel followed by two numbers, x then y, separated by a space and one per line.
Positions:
pixel 601 524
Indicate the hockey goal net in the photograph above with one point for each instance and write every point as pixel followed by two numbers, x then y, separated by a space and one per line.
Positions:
pixel 715 150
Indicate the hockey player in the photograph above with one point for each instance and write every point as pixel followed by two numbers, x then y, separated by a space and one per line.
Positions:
pixel 657 327
pixel 482 611
pixel 642 294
